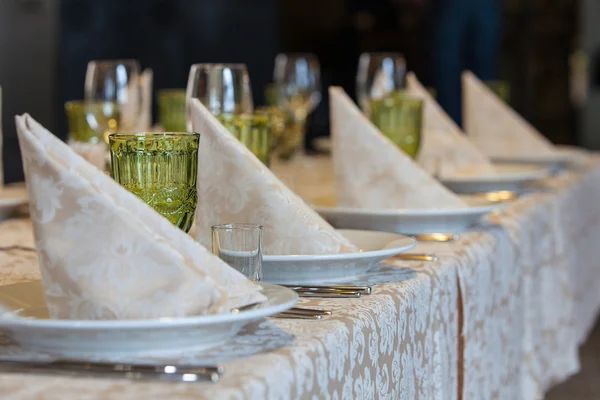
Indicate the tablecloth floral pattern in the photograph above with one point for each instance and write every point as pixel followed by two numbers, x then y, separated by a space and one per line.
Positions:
pixel 501 315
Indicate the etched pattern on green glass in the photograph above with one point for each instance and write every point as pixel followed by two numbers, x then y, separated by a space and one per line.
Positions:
pixel 254 131
pixel 171 109
pixel 400 118
pixel 161 169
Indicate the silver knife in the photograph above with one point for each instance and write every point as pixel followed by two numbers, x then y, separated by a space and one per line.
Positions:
pixel 167 372
pixel 333 288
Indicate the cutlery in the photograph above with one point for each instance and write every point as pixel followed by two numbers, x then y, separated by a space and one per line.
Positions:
pixel 436 237
pixel 236 310
pixel 303 313
pixel 499 196
pixel 286 315
pixel 336 294
pixel 173 373
pixel 415 257
pixel 364 290
pixel 307 311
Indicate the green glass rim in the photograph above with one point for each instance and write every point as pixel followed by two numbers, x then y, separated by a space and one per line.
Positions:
pixel 400 101
pixel 206 66
pixel 153 135
pixel 171 91
pixel 74 103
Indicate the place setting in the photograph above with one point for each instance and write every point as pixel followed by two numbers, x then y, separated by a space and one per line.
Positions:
pixel 299 246
pixel 450 155
pixel 503 135
pixel 379 192
pixel 257 247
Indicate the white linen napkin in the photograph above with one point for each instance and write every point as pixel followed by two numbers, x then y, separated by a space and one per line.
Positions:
pixel 442 141
pixel 234 186
pixel 371 171
pixel 105 254
pixel 144 118
pixel 495 128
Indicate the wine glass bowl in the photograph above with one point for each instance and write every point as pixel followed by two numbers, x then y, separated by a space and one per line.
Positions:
pixel 379 74
pixel 113 95
pixel 221 88
pixel 298 81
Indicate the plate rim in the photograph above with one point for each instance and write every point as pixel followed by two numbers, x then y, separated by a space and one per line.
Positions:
pixel 556 158
pixel 388 252
pixel 157 323
pixel 416 212
pixel 538 173
pixel 12 201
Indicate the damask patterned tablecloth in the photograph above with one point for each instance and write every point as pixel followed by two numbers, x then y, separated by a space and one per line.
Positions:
pixel 399 342
pixel 501 315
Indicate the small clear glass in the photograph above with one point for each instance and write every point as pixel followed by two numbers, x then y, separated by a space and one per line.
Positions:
pixel 240 246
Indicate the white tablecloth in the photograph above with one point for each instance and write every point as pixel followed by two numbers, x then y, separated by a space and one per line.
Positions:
pixel 501 315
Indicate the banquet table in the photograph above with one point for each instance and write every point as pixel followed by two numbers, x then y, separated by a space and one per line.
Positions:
pixel 501 314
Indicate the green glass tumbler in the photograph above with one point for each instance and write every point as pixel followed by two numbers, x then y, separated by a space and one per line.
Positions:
pixel 161 169
pixel 400 118
pixel 171 109
pixel 253 130
pixel 79 129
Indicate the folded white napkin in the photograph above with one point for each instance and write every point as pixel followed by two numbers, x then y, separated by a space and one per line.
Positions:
pixel 443 144
pixel 105 254
pixel 94 153
pixel 371 171
pixel 495 128
pixel 144 118
pixel 234 186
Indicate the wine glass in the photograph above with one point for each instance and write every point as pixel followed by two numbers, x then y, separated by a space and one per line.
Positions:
pixel 298 88
pixel 224 89
pixel 379 74
pixel 113 95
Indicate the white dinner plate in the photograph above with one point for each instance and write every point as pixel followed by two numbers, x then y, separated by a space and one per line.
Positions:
pixel 511 177
pixel 113 338
pixel 553 162
pixel 313 269
pixel 411 221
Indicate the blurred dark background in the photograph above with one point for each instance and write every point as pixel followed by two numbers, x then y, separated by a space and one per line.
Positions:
pixel 45 46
